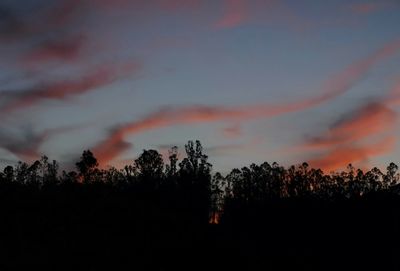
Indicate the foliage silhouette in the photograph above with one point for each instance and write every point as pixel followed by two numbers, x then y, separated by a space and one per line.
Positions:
pixel 155 216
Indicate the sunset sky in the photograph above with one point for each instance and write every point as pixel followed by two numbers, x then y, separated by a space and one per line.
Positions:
pixel 257 80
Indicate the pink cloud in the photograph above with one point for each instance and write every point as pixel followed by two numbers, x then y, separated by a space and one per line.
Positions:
pixel 67 50
pixel 232 131
pixel 371 119
pixel 63 12
pixel 367 8
pixel 234 13
pixel 352 74
pixel 394 95
pixel 340 157
pixel 114 144
pixel 348 141
pixel 63 89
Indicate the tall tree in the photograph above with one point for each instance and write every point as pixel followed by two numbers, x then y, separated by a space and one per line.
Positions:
pixel 87 166
pixel 150 164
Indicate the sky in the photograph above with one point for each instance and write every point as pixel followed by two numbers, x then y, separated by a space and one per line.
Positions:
pixel 284 81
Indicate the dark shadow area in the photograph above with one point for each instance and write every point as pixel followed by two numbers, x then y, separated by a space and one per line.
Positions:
pixel 178 215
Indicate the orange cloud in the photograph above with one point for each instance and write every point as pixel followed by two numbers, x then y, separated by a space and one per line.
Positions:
pixel 371 119
pixel 346 141
pixel 64 89
pixel 114 144
pixel 340 157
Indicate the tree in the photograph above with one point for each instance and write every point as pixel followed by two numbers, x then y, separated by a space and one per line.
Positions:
pixel 196 162
pixel 171 169
pixel 22 173
pixel 87 166
pixel 69 177
pixel 8 173
pixel 150 164
pixel 48 170
pixel 195 181
pixel 217 186
pixel 391 178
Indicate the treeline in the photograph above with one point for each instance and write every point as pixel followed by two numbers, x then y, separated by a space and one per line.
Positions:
pixel 263 216
pixel 193 175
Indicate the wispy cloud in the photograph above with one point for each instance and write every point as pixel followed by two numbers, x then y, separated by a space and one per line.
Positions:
pixel 63 12
pixel 65 50
pixel 12 26
pixel 234 13
pixel 371 7
pixel 54 18
pixel 355 72
pixel 174 5
pixel 26 144
pixel 394 94
pixel 349 139
pixel 341 156
pixel 370 119
pixel 232 130
pixel 114 144
pixel 104 75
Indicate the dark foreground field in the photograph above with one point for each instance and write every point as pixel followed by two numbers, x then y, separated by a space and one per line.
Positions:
pixel 155 217
pixel 74 229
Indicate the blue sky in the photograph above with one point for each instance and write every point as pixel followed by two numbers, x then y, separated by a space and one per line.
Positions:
pixel 254 81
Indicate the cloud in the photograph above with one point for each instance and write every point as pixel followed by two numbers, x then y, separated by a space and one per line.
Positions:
pixel 174 5
pixel 370 7
pixel 144 5
pixel 38 22
pixel 228 149
pixel 348 140
pixel 370 119
pixel 104 75
pixel 66 50
pixel 234 13
pixel 355 72
pixel 394 95
pixel 26 144
pixel 232 131
pixel 341 156
pixel 365 8
pixel 46 33
pixel 64 12
pixel 11 25
pixel 114 144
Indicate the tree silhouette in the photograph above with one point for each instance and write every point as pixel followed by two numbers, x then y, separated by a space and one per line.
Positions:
pixel 194 181
pixel 8 173
pixel 171 169
pixel 265 215
pixel 150 164
pixel 87 166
